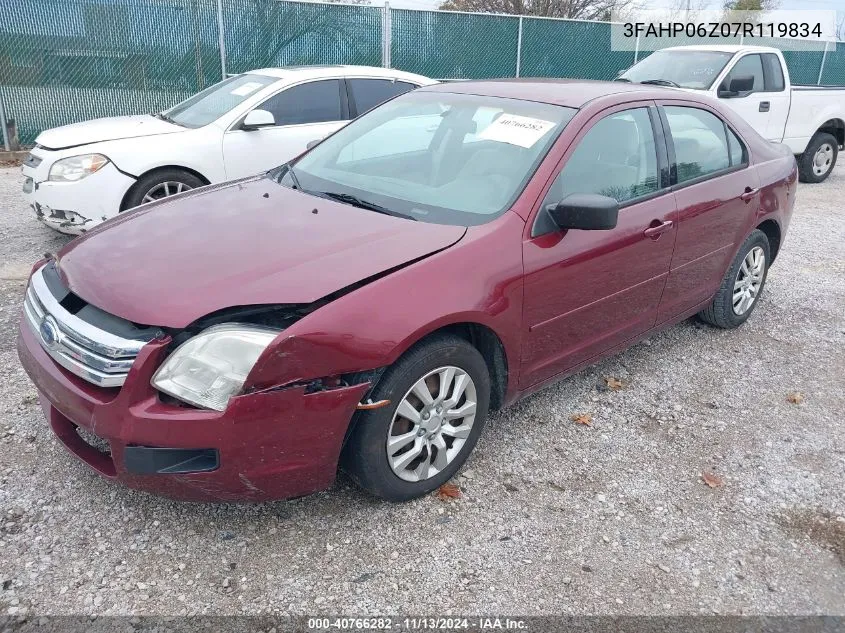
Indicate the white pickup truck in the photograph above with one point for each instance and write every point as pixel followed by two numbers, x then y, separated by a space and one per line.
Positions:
pixel 754 81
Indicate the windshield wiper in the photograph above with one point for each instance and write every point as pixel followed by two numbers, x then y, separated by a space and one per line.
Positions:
pixel 625 79
pixel 164 117
pixel 660 82
pixel 289 172
pixel 363 204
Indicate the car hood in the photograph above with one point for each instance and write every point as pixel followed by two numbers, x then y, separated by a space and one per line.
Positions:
pixel 108 129
pixel 249 242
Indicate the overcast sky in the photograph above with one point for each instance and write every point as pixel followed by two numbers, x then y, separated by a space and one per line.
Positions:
pixel 838 5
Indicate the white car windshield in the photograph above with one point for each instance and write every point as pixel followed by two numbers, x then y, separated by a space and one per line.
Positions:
pixel 433 156
pixel 215 101
pixel 684 69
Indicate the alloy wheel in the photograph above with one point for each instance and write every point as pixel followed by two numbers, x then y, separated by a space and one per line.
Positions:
pixel 165 189
pixel 749 280
pixel 431 424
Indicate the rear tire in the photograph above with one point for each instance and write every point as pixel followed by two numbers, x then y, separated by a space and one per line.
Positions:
pixel 365 457
pixel 819 159
pixel 742 284
pixel 159 184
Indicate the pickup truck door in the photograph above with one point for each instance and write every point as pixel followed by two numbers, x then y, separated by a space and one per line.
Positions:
pixel 589 291
pixel 303 113
pixel 717 195
pixel 751 105
pixel 766 105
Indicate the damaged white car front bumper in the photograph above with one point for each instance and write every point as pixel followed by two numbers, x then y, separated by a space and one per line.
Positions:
pixel 72 207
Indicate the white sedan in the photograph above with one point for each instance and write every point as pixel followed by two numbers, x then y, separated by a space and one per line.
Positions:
pixel 79 175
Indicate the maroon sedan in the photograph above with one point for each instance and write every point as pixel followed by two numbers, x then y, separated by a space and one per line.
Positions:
pixel 366 305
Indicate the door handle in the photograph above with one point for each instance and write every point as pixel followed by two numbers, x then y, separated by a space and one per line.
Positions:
pixel 655 230
pixel 748 194
pixel 764 106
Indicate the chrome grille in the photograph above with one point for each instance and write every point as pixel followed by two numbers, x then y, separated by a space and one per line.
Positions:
pixel 98 356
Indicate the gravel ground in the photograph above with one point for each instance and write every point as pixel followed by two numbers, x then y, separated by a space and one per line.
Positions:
pixel 555 517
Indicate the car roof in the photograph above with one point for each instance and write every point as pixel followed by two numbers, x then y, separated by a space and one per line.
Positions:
pixel 573 93
pixel 295 73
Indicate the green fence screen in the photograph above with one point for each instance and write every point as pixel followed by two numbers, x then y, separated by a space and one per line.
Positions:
pixel 63 61
pixel 454 45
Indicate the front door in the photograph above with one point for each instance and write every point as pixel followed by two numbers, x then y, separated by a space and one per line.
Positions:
pixel 588 291
pixel 766 105
pixel 303 113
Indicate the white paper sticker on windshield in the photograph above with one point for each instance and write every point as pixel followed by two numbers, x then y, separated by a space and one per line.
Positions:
pixel 245 89
pixel 517 130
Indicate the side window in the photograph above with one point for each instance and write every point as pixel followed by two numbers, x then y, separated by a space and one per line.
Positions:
pixel 774 73
pixel 700 141
pixel 736 149
pixel 314 102
pixel 748 66
pixel 368 93
pixel 616 158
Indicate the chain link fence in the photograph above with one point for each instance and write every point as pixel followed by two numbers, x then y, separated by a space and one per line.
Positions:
pixel 63 61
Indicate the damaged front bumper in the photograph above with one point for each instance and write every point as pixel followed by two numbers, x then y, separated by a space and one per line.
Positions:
pixel 271 444
pixel 75 207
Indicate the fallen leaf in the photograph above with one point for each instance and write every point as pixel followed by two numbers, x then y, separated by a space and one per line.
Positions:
pixel 557 486
pixel 448 491
pixel 582 418
pixel 712 480
pixel 614 383
pixel 796 397
pixel 510 487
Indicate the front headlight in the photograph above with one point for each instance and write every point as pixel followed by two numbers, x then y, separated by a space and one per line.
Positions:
pixel 210 368
pixel 76 167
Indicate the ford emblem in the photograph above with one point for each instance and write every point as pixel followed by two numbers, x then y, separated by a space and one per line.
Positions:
pixel 49 332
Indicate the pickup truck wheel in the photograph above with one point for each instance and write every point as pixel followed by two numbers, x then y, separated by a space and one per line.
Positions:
pixel 819 158
pixel 160 184
pixel 439 393
pixel 742 284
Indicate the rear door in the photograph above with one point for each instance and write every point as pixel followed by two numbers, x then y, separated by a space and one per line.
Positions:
pixel 588 291
pixel 304 112
pixel 716 193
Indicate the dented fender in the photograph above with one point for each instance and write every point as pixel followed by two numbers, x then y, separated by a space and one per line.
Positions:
pixel 373 325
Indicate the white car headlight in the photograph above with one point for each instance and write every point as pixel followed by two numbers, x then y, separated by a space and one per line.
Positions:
pixel 210 368
pixel 76 167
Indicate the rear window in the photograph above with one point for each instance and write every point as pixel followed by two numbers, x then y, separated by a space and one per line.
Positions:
pixel 774 73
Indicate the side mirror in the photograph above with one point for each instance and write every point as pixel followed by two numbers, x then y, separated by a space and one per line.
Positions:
pixel 737 86
pixel 311 144
pixel 585 211
pixel 257 119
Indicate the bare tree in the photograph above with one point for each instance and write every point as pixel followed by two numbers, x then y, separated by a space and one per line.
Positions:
pixel 747 10
pixel 581 9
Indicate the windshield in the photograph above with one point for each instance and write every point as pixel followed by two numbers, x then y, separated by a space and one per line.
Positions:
pixel 687 69
pixel 215 101
pixel 433 156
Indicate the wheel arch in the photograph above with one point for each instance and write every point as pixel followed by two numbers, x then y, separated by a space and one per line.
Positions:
pixel 488 343
pixel 835 127
pixel 153 170
pixel 771 229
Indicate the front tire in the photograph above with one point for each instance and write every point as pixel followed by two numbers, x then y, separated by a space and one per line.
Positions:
pixel 818 160
pixel 160 184
pixel 742 285
pixel 440 394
